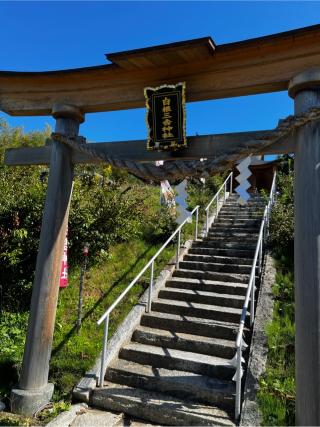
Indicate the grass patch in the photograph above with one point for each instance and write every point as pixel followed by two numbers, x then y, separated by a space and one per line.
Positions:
pixel 75 353
pixel 276 396
pixel 8 419
pixel 13 328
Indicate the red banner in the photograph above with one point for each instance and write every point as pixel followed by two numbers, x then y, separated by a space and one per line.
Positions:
pixel 64 265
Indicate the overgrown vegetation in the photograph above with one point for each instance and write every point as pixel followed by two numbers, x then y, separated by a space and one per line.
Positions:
pixel 107 207
pixel 277 387
pixel 117 215
pixel 200 193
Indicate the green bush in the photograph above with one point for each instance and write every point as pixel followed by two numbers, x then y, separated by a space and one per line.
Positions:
pixel 282 217
pixel 108 206
pixel 21 204
pixel 201 194
pixel 13 328
pixel 160 226
pixel 101 216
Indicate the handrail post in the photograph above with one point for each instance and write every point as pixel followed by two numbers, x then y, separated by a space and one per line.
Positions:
pixel 217 201
pixel 178 250
pixel 265 230
pixel 260 255
pixel 252 297
pixel 217 205
pixel 197 219
pixel 267 220
pixel 150 288
pixel 104 351
pixel 207 221
pixel 238 383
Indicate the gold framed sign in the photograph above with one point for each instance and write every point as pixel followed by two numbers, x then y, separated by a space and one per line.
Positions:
pixel 166 117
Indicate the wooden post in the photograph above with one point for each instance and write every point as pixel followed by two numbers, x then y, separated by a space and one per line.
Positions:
pixel 34 390
pixel 305 89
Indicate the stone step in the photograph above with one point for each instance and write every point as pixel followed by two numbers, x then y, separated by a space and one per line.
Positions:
pixel 251 200
pixel 246 208
pixel 233 231
pixel 250 238
pixel 237 223
pixel 204 311
pixel 159 408
pixel 253 196
pixel 215 267
pixel 159 357
pixel 202 297
pixel 211 275
pixel 191 325
pixel 255 203
pixel 231 235
pixel 210 243
pixel 187 342
pixel 218 259
pixel 240 214
pixel 241 209
pixel 233 228
pixel 207 285
pixel 236 216
pixel 181 384
pixel 228 252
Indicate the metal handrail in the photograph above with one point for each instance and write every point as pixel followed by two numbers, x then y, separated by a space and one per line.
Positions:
pixel 250 296
pixel 105 316
pixel 216 196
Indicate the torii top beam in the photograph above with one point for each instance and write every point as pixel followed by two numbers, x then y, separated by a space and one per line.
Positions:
pixel 259 65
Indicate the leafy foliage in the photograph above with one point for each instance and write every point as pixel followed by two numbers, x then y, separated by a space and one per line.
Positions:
pixel 201 194
pixel 13 327
pixel 21 204
pixel 48 414
pixel 160 226
pixel 108 206
pixel 8 419
pixel 282 218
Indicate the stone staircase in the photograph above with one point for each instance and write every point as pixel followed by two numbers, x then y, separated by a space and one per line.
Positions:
pixel 176 369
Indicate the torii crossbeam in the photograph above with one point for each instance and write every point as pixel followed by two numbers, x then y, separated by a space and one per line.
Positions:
pixel 284 61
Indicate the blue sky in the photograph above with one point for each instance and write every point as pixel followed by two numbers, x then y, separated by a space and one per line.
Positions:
pixel 56 35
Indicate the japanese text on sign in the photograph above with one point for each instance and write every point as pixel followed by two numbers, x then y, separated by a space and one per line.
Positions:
pixel 166 117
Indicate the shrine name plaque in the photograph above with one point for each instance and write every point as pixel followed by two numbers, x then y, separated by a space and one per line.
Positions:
pixel 166 117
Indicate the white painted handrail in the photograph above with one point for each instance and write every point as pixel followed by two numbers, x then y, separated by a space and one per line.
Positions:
pixel 106 315
pixel 250 294
pixel 216 197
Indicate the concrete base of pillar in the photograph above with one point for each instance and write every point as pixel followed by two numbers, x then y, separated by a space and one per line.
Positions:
pixel 27 402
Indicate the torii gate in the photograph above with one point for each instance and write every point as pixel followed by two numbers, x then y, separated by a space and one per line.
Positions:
pixel 285 61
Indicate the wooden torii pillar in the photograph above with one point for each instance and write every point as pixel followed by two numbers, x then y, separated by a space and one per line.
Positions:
pixel 34 389
pixel 305 89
